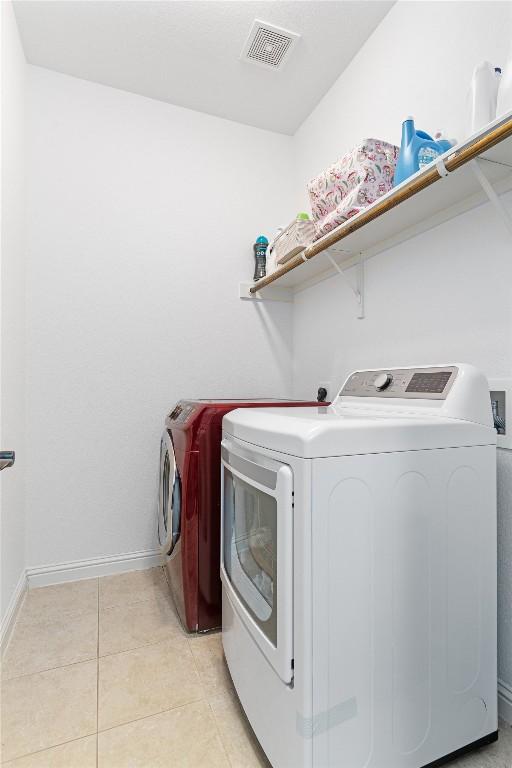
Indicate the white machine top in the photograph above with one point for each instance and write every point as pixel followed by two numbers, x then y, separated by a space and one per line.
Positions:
pixel 379 411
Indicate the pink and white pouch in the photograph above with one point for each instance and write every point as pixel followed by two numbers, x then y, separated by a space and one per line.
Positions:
pixel 352 183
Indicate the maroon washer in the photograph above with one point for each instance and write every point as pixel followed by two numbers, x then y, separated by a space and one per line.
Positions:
pixel 189 505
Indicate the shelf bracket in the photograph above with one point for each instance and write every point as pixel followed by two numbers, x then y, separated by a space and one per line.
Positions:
pixel 270 293
pixel 491 194
pixel 358 290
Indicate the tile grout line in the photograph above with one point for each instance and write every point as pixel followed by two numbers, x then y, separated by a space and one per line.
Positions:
pixel 194 662
pixel 48 669
pixel 208 702
pixel 153 714
pixel 46 749
pixel 153 599
pixel 72 613
pixel 93 658
pixel 144 645
pixel 139 647
pixel 230 692
pixel 216 721
pixel 178 638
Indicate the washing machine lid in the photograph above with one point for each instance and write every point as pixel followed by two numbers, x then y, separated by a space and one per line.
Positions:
pixel 417 408
pixel 330 433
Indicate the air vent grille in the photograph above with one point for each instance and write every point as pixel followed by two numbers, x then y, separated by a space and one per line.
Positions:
pixel 268 45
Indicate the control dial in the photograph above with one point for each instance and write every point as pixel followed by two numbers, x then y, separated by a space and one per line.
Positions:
pixel 382 381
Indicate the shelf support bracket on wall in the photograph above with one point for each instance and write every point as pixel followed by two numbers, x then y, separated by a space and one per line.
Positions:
pixel 491 194
pixel 358 291
pixel 270 293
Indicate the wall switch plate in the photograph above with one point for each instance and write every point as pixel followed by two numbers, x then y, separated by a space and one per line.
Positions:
pixel 501 394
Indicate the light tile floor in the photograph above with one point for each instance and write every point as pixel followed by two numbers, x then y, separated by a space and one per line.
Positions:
pixel 100 674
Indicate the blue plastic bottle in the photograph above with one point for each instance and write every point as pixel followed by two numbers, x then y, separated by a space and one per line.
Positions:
pixel 416 150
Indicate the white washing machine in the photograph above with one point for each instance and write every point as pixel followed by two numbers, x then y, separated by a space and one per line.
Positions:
pixel 359 571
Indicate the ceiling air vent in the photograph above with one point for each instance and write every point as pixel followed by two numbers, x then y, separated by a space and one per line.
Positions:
pixel 267 45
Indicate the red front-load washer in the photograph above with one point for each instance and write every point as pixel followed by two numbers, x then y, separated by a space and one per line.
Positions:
pixel 189 505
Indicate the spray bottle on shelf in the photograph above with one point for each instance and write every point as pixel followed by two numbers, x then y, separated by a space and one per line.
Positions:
pixel 260 257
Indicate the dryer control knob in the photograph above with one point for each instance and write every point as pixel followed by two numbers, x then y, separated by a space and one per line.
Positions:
pixel 382 381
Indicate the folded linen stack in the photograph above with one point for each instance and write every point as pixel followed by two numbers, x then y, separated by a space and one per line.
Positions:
pixel 292 240
pixel 352 183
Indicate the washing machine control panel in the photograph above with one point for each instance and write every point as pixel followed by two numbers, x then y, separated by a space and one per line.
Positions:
pixel 409 383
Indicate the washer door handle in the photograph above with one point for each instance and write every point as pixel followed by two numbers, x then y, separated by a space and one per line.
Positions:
pixel 7 459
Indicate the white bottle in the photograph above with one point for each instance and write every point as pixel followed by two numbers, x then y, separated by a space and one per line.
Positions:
pixel 483 96
pixel 505 90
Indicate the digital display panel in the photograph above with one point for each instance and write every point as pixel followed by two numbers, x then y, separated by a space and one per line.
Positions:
pixel 430 382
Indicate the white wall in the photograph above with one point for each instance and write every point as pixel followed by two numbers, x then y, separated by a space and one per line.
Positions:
pixel 142 218
pixel 445 295
pixel 12 426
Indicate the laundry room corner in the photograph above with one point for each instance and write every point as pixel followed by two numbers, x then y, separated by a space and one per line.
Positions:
pixel 129 230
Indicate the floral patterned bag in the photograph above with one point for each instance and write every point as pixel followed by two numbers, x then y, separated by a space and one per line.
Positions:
pixel 352 183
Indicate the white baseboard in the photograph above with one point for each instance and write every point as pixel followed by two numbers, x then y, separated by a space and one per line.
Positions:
pixel 12 611
pixel 505 701
pixel 45 575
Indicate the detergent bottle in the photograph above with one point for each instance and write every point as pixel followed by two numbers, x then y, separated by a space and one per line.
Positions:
pixel 260 257
pixel 505 89
pixel 483 96
pixel 416 150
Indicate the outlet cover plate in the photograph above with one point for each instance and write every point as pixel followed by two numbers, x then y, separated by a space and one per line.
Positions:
pixel 505 386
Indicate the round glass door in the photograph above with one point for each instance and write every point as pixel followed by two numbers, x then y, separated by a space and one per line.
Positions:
pixel 169 502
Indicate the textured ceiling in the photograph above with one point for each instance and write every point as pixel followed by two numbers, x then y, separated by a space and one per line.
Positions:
pixel 187 53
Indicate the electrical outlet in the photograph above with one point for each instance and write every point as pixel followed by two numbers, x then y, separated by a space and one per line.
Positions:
pixel 501 398
pixel 327 385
